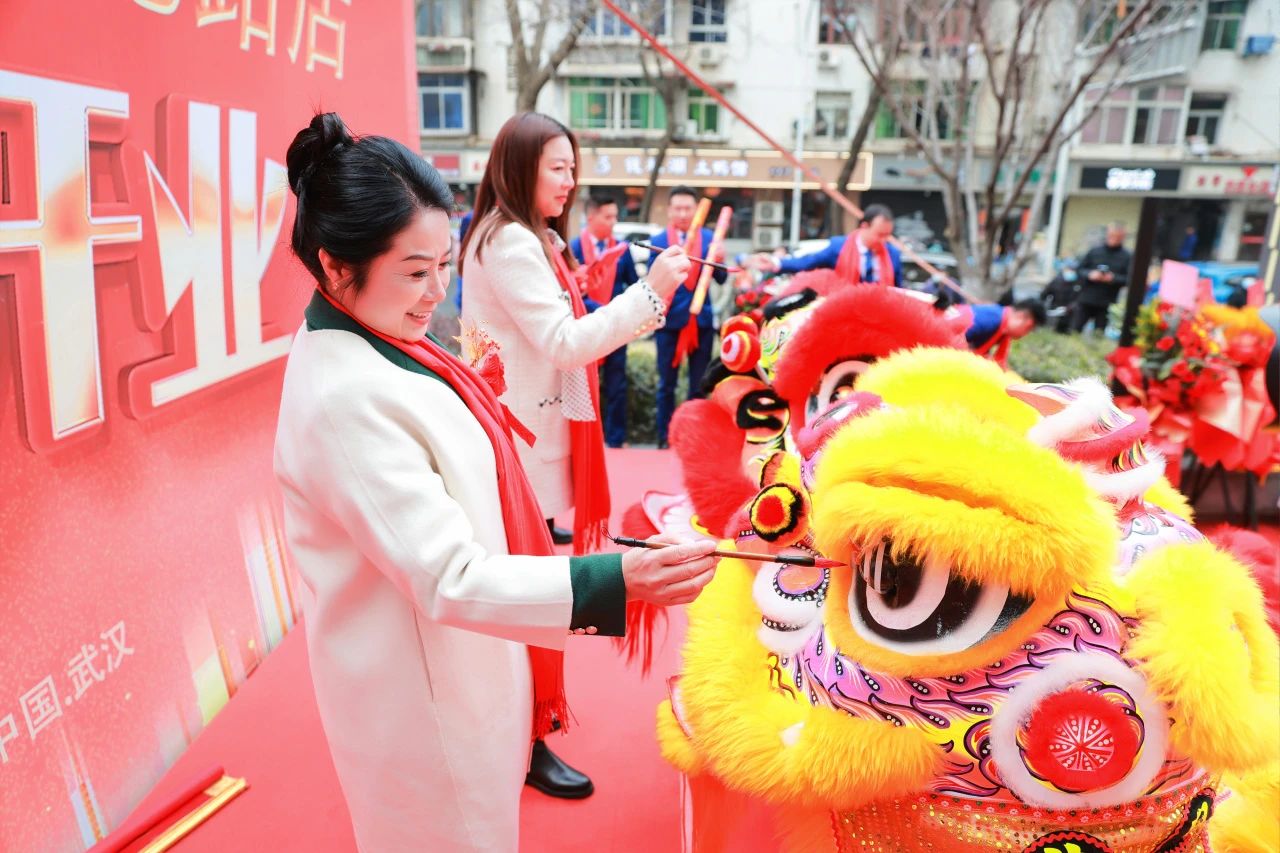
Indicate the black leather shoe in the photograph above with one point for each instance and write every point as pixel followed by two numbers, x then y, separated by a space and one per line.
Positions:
pixel 662 444
pixel 559 535
pixel 551 776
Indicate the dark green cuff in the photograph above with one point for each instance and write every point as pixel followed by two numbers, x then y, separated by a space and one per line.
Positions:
pixel 599 594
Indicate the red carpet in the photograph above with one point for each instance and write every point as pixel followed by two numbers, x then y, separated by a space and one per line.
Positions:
pixel 270 734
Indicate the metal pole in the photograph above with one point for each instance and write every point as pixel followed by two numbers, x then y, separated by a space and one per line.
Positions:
pixel 796 191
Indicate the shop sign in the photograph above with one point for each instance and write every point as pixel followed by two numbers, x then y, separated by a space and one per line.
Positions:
pixel 1137 179
pixel 1250 180
pixel 625 166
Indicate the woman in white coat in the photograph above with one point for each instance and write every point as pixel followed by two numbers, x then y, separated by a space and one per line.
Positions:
pixel 521 289
pixel 423 551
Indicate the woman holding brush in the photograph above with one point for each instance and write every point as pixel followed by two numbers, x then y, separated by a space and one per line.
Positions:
pixel 522 291
pixel 435 609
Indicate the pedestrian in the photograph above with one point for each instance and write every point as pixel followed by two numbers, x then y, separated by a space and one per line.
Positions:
pixel 865 255
pixel 1105 271
pixel 685 338
pixel 607 270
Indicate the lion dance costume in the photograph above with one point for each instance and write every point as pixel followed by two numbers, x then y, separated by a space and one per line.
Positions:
pixel 1029 648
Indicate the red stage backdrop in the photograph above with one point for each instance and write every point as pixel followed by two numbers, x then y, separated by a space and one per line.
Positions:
pixel 147 300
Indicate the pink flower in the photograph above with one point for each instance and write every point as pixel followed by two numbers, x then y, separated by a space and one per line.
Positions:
pixel 484 355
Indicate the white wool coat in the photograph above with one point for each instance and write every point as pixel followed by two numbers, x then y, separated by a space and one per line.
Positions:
pixel 415 613
pixel 513 294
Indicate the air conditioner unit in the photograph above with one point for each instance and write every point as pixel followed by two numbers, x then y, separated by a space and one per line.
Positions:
pixel 445 54
pixel 769 213
pixel 709 56
pixel 1257 45
pixel 828 58
pixel 766 237
pixel 1198 146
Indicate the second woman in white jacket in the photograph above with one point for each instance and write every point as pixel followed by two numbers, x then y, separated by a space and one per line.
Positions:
pixel 522 291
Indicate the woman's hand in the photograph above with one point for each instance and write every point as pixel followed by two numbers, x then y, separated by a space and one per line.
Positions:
pixel 668 271
pixel 668 576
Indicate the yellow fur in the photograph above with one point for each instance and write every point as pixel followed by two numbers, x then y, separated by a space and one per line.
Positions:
pixel 1164 495
pixel 1204 645
pixel 1247 822
pixel 993 506
pixel 738 718
pixel 948 377
pixel 673 743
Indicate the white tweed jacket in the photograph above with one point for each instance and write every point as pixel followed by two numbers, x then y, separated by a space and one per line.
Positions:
pixel 511 292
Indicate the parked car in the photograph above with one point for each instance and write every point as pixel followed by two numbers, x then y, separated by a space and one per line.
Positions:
pixel 632 232
pixel 1230 280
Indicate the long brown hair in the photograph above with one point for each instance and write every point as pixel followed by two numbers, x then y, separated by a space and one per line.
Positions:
pixel 508 187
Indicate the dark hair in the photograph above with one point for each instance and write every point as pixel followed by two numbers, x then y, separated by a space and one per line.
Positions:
pixel 355 194
pixel 682 190
pixel 595 201
pixel 508 188
pixel 1035 308
pixel 874 210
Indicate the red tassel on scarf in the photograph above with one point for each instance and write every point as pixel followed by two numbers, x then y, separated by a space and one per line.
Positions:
pixel 586 444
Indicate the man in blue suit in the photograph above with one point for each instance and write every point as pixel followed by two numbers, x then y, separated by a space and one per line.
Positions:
pixel 676 340
pixel 606 278
pixel 864 257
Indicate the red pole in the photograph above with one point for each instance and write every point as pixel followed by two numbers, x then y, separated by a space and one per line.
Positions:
pixel 827 187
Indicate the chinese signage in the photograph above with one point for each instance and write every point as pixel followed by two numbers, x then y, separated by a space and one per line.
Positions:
pixel 147 302
pixel 1138 179
pixel 1231 180
pixel 712 168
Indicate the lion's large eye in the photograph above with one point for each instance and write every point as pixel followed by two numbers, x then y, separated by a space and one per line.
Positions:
pixel 922 608
pixel 837 382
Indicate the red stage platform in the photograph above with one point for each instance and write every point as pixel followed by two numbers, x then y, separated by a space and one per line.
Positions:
pixel 270 734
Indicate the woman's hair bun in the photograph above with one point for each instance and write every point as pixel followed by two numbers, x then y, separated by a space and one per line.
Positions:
pixel 313 145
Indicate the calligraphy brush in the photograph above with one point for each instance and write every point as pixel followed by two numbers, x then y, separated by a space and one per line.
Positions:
pixel 659 249
pixel 789 560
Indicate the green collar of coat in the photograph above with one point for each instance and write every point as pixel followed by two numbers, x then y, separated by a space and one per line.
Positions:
pixel 321 315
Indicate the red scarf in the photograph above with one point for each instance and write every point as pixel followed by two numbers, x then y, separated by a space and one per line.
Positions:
pixel 997 346
pixel 849 264
pixel 688 340
pixel 586 444
pixel 602 270
pixel 521 516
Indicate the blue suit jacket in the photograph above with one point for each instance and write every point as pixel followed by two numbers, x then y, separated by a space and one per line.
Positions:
pixel 826 259
pixel 986 322
pixel 625 277
pixel 678 313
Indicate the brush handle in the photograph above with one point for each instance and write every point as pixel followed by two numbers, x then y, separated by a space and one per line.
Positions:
pixel 787 560
pixel 659 249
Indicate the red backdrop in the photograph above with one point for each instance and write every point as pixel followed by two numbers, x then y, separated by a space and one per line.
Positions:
pixel 147 298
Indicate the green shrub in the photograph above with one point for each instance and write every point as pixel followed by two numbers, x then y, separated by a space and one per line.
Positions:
pixel 1046 356
pixel 642 391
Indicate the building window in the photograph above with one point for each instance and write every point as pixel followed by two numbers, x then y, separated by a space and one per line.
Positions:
pixel 1222 25
pixel 831 115
pixel 446 104
pixel 441 18
pixel 1205 115
pixel 605 24
pixel 706 20
pixel 704 114
pixel 1150 115
pixel 614 103
pixel 837 22
pixel 911 96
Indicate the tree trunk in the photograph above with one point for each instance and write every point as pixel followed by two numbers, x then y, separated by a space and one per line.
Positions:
pixel 834 211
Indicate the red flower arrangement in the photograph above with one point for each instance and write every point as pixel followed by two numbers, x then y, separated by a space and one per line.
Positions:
pixel 1177 359
pixel 484 355
pixel 1199 375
